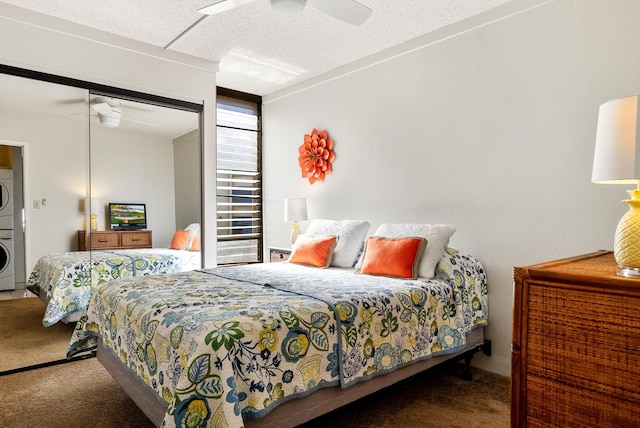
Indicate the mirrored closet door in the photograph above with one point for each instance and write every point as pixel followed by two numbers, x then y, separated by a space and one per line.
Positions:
pixel 73 159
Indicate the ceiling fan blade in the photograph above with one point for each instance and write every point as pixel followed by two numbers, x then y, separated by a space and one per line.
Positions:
pixel 222 6
pixel 140 122
pixel 349 11
pixel 82 116
pixel 71 101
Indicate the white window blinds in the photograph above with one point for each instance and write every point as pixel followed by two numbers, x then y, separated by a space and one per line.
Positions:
pixel 239 181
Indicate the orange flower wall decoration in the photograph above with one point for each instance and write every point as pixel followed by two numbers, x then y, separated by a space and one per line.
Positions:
pixel 316 156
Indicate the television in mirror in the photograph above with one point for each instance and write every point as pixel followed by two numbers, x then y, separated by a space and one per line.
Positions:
pixel 127 216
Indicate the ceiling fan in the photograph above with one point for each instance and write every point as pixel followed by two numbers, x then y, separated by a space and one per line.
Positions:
pixel 109 112
pixel 349 11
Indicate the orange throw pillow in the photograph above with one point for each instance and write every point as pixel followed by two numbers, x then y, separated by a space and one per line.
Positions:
pixel 395 257
pixel 314 251
pixel 180 240
pixel 195 244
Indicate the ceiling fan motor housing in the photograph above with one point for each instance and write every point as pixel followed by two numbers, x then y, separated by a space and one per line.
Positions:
pixel 288 7
pixel 111 120
pixel 109 112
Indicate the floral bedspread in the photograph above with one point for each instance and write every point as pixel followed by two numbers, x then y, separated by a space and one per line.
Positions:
pixel 222 344
pixel 212 347
pixel 385 323
pixel 66 280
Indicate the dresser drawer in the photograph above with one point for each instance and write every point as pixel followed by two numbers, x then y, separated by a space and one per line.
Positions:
pixel 104 240
pixel 136 239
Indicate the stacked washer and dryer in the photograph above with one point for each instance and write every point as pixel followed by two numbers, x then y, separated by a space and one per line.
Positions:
pixel 7 270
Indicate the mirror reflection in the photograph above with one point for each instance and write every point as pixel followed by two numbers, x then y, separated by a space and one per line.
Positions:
pixel 44 150
pixel 48 139
pixel 153 158
pixel 145 189
pixel 72 161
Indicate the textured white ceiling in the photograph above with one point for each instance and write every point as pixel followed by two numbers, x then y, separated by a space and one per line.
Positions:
pixel 259 50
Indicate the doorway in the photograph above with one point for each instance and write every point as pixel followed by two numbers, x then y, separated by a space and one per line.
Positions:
pixel 12 221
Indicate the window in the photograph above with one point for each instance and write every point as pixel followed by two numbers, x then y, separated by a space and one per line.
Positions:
pixel 239 178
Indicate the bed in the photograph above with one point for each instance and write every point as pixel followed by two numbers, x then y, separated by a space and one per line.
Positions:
pixel 65 281
pixel 277 344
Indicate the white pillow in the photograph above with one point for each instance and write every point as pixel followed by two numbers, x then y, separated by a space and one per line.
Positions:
pixel 437 236
pixel 194 229
pixel 350 233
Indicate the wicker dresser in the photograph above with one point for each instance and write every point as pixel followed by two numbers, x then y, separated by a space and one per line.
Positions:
pixel 576 345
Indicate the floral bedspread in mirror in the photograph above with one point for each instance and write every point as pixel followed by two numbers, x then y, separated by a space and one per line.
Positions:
pixel 66 280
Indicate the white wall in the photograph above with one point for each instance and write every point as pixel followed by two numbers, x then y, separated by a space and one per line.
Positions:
pixel 135 168
pixel 126 167
pixel 56 169
pixel 187 160
pixel 491 130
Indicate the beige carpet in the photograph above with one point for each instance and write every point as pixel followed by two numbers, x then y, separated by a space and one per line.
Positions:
pixel 437 398
pixel 25 341
pixel 83 394
pixel 75 395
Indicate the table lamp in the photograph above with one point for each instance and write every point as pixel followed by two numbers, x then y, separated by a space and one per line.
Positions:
pixel 617 161
pixel 295 209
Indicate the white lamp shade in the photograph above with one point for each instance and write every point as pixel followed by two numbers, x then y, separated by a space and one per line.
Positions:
pixel 295 209
pixel 96 206
pixel 617 154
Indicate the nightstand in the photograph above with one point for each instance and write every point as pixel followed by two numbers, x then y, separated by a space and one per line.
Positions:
pixel 279 254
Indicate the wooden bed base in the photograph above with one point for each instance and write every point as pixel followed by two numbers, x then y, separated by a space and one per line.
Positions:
pixel 293 412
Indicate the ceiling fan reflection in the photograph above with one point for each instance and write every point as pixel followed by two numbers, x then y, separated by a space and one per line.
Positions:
pixel 109 113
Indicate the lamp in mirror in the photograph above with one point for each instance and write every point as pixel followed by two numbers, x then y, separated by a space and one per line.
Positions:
pixel 617 161
pixel 96 207
pixel 295 210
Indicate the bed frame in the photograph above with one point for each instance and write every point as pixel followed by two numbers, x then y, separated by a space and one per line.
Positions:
pixel 297 411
